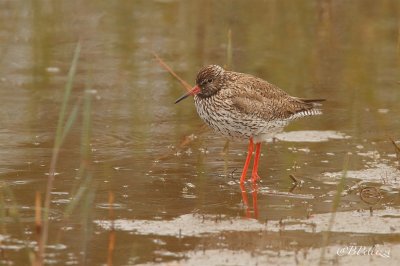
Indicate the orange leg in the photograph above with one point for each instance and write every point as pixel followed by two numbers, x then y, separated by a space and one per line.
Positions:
pixel 254 173
pixel 245 200
pixel 255 206
pixel 246 164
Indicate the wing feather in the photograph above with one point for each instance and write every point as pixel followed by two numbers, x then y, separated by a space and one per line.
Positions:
pixel 264 100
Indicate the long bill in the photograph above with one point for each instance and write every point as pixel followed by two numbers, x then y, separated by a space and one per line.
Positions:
pixel 193 91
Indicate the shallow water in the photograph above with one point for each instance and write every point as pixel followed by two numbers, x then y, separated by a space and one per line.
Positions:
pixel 159 186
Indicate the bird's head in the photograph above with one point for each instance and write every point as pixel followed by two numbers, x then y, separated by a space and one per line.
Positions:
pixel 207 82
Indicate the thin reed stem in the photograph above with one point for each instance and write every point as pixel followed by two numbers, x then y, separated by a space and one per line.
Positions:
pixel 56 149
pixel 169 69
pixel 335 205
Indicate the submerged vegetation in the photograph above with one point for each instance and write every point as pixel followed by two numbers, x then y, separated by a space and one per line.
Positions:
pixel 83 192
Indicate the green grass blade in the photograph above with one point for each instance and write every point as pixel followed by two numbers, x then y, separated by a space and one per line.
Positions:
pixel 85 153
pixel 55 154
pixel 70 121
pixel 67 94
pixel 78 196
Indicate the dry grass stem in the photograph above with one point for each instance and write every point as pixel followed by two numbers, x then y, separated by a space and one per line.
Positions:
pixel 295 180
pixel 169 69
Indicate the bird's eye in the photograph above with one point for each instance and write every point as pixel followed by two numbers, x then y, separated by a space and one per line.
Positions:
pixel 209 80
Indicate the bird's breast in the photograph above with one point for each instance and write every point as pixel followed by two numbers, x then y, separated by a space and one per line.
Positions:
pixel 221 115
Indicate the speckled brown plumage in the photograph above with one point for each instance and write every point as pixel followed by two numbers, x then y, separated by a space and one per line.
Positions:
pixel 239 105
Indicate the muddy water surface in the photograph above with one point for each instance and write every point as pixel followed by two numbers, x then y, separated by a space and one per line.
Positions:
pixel 161 188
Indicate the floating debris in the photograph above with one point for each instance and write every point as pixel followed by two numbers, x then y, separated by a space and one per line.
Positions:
pixel 379 173
pixel 383 111
pixel 311 136
pixel 198 225
pixel 53 69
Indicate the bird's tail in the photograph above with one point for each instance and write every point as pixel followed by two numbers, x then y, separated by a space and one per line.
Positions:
pixel 314 102
pixel 307 107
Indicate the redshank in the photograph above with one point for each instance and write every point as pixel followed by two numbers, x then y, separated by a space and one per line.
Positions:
pixel 242 106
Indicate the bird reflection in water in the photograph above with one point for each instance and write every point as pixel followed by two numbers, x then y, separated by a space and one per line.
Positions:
pixel 245 199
